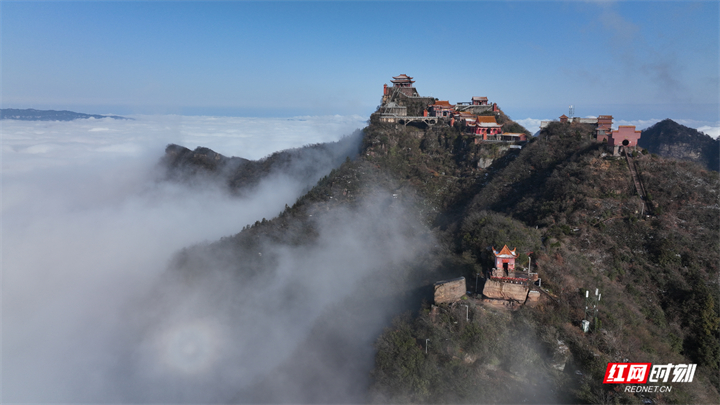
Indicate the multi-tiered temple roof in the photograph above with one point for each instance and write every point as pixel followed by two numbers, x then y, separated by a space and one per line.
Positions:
pixel 402 81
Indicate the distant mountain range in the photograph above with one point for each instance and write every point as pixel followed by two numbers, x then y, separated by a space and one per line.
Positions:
pixel 31 114
pixel 667 138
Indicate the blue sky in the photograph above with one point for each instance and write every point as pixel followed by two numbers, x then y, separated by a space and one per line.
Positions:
pixel 634 60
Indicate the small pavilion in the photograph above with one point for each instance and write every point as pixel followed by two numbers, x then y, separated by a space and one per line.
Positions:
pixel 504 261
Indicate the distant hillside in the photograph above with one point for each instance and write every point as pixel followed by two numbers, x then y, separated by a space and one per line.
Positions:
pixel 31 114
pixel 305 165
pixel 669 139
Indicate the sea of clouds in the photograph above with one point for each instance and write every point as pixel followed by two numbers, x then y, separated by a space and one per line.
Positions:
pixel 88 227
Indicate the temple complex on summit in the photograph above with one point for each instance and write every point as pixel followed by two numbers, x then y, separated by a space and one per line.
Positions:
pixel 603 122
pixel 401 104
pixel 625 137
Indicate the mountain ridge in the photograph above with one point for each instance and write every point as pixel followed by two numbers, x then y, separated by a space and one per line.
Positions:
pixel 669 139
pixel 31 114
pixel 238 175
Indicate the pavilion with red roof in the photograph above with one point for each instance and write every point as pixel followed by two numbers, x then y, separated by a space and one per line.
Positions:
pixel 504 261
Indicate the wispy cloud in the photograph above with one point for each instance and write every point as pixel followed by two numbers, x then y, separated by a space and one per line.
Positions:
pixel 640 60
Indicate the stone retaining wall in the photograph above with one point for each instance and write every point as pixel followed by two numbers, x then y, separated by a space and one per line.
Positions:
pixel 449 290
pixel 505 291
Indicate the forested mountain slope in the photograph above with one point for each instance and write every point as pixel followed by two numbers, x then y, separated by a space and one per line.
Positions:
pixel 419 205
pixel 579 213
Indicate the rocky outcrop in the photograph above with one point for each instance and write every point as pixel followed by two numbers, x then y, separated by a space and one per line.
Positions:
pixel 449 290
pixel 484 163
pixel 488 156
pixel 561 354
pixel 505 291
pixel 534 296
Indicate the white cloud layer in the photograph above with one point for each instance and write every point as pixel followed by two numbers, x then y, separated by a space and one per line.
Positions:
pixel 531 124
pixel 87 228
pixel 32 144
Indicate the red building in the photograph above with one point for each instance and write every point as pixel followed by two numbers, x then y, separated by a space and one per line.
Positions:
pixel 441 109
pixel 484 125
pixel 625 135
pixel 564 118
pixel 605 122
pixel 479 101
pixel 504 261
pixel 604 125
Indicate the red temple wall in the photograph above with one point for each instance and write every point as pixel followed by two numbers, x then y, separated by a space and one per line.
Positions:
pixel 624 133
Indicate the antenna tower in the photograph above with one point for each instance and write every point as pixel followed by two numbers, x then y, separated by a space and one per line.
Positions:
pixel 571 113
pixel 595 307
pixel 591 313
